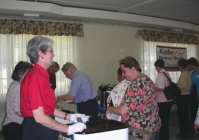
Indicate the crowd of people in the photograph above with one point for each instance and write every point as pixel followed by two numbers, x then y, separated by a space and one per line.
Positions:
pixel 144 105
pixel 136 99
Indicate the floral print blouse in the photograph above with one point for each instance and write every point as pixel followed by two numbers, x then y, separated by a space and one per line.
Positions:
pixel 140 97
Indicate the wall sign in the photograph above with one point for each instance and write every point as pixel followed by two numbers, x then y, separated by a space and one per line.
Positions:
pixel 171 55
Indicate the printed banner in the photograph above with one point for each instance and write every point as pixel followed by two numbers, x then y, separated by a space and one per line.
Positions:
pixel 171 55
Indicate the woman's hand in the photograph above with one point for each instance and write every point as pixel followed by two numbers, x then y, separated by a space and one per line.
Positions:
pixel 77 127
pixel 159 89
pixel 108 112
pixel 57 99
pixel 120 110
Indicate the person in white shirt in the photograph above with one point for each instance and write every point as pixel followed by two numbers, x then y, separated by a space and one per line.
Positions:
pixel 117 93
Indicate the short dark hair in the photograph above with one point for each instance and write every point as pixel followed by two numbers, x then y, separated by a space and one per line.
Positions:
pixel 20 69
pixel 159 63
pixel 130 62
pixel 193 61
pixel 183 63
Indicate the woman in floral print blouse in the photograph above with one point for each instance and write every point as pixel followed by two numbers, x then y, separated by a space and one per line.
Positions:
pixel 139 107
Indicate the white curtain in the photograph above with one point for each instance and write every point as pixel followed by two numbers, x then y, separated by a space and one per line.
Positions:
pixel 13 50
pixel 147 57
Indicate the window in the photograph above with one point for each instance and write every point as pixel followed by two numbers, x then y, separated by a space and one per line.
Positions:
pixel 147 58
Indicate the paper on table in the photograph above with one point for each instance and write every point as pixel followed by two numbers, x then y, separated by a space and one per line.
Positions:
pixel 67 101
pixel 63 120
pixel 113 116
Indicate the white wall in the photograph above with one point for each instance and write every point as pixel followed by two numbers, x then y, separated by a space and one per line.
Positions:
pixel 99 51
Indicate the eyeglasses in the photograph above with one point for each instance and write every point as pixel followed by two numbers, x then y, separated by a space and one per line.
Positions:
pixel 50 51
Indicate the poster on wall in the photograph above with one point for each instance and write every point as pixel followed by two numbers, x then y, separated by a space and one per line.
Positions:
pixel 171 55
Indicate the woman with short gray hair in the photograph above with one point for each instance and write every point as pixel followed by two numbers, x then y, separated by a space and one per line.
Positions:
pixel 38 99
pixel 38 44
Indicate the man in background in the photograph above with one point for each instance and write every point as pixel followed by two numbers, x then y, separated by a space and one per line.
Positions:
pixel 82 91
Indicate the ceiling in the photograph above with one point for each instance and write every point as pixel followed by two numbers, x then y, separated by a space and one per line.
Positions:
pixel 175 15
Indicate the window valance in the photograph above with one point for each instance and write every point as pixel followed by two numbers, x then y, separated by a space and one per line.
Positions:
pixel 15 26
pixel 168 37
